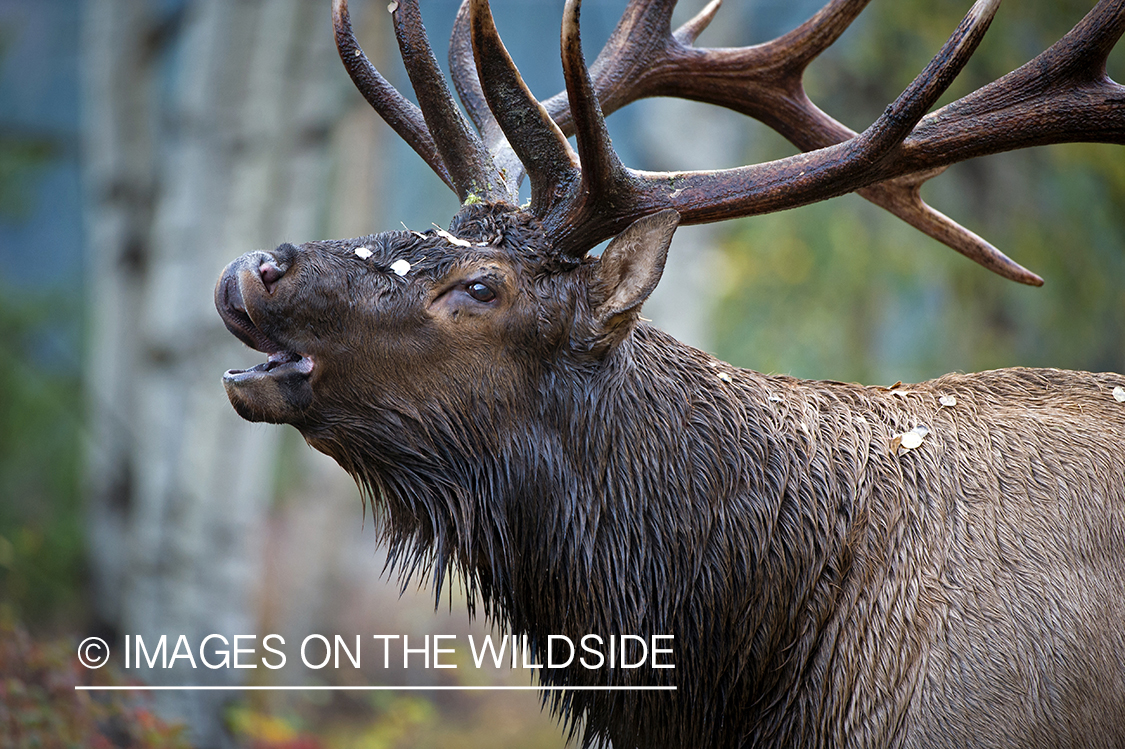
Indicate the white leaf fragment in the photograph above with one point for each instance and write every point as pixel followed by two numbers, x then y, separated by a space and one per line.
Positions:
pixel 1119 394
pixel 400 267
pixel 450 238
pixel 392 7
pixel 363 253
pixel 948 400
pixel 725 377
pixel 909 440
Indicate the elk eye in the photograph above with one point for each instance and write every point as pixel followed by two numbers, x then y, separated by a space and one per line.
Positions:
pixel 480 292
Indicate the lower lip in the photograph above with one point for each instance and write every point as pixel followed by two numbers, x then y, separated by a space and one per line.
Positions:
pixel 303 367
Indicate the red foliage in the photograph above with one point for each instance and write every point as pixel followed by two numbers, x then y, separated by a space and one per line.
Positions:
pixel 40 707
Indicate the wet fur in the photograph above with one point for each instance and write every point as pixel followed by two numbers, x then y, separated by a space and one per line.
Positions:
pixel 822 590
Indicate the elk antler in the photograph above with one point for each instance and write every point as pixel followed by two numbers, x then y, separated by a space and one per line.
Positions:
pixel 645 58
pixel 1063 95
pixel 451 149
pixel 711 196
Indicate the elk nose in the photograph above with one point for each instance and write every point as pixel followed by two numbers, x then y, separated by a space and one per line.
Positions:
pixel 271 273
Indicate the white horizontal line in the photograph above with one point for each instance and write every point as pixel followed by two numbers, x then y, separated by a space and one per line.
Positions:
pixel 373 689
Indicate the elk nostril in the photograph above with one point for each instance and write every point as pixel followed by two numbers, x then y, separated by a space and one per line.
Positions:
pixel 271 274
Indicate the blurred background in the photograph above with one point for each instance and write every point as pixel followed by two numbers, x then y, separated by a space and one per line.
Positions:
pixel 146 143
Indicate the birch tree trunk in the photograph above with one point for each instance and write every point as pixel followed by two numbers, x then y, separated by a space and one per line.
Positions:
pixel 118 180
pixel 207 137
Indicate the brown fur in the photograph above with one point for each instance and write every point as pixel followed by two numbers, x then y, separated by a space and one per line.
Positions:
pixel 589 474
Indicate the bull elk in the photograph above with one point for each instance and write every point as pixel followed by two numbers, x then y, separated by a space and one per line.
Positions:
pixel 940 564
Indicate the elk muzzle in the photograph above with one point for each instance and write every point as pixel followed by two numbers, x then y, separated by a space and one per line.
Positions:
pixel 277 390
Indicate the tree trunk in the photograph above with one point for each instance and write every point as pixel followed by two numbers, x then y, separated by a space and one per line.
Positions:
pixel 207 137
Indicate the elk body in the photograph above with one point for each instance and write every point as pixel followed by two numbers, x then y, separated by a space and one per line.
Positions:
pixel 828 581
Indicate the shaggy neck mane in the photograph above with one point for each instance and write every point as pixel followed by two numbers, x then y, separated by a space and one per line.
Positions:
pixel 693 518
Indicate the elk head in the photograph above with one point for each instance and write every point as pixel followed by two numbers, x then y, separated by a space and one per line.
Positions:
pixel 409 323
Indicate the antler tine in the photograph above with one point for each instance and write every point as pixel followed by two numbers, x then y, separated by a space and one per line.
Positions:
pixel 463 71
pixel 1104 25
pixel 1061 96
pixel 623 67
pixel 405 118
pixel 462 150
pixel 712 196
pixel 899 119
pixel 900 197
pixel 690 31
pixel 604 177
pixel 542 148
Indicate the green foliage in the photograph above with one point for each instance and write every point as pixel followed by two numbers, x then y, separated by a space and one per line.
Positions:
pixel 41 544
pixel 843 290
pixel 40 529
pixel 21 160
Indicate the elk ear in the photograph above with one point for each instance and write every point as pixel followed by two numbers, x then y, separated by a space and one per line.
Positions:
pixel 631 264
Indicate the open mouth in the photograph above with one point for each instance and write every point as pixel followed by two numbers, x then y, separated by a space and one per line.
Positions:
pixel 283 362
pixel 232 310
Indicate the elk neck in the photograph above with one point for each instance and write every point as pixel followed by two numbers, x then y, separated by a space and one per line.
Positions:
pixel 626 493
